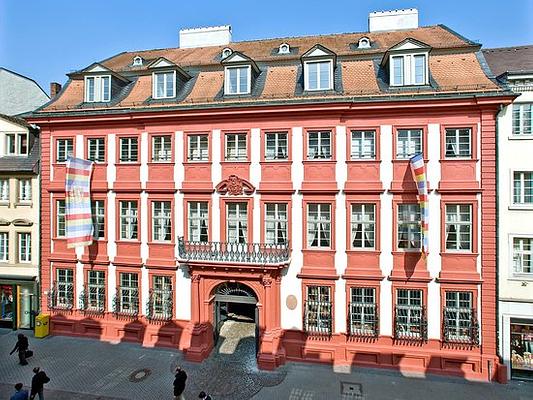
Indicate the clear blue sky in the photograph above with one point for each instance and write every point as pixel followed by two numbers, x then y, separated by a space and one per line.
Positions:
pixel 46 39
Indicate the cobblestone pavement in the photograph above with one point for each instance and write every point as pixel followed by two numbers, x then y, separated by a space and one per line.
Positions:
pixel 85 369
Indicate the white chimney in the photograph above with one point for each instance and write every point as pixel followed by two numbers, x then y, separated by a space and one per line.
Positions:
pixel 393 20
pixel 203 37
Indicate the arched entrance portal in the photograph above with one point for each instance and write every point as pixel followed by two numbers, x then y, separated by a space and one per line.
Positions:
pixel 235 301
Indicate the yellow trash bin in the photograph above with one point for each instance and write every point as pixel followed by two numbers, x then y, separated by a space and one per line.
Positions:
pixel 42 325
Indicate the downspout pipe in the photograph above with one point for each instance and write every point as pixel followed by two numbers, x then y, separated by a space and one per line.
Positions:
pixel 498 352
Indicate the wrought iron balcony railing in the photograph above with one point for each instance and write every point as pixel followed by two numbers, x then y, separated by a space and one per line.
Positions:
pixel 460 326
pixel 61 296
pixel 363 320
pixel 252 253
pixel 92 299
pixel 410 323
pixel 160 305
pixel 317 318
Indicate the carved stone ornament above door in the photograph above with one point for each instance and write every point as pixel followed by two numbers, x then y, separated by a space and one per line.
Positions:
pixel 235 186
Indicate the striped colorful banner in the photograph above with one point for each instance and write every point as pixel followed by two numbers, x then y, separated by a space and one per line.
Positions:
pixel 78 203
pixel 419 171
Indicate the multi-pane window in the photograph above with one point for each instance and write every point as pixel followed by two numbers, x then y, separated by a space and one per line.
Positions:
pixel 236 147
pixel 363 311
pixel 4 246
pixel 96 149
pixel 4 189
pixel 198 147
pixel 319 145
pixel 64 296
pixel 164 85
pixel 160 306
pixel 64 149
pixel 363 145
pixel 397 71
pixel 522 116
pixel 458 143
pixel 128 293
pixel 408 70
pixel 97 88
pixel 318 225
pixel 318 310
pixel 24 243
pixel 459 227
pixel 96 290
pixel 459 323
pixel 408 143
pixel 198 221
pixel 410 319
pixel 319 75
pixel 409 229
pixel 128 220
pixel 523 188
pixel 61 227
pixel 129 149
pixel 276 223
pixel 363 226
pixel 237 222
pixel 522 255
pixel 16 144
pixel 237 80
pixel 98 215
pixel 276 146
pixel 24 190
pixel 161 148
pixel 161 222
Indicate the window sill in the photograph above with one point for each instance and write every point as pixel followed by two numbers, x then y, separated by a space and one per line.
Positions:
pixel 99 163
pixel 319 249
pixel 128 241
pixel 363 251
pixel 525 207
pixel 521 137
pixel 235 161
pixel 129 163
pixel 165 243
pixel 359 160
pixel 4 203
pixel 196 162
pixel 276 160
pixel 521 277
pixel 24 204
pixel 463 159
pixel 407 251
pixel 317 160
pixel 160 162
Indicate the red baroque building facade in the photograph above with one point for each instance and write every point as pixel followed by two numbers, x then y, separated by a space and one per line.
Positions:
pixel 276 173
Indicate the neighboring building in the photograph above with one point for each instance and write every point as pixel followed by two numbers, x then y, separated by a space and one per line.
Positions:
pixel 274 174
pixel 514 67
pixel 19 94
pixel 19 222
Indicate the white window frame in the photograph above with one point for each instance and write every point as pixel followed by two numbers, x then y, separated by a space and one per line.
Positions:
pixel 411 309
pixel 164 154
pixel 162 294
pixel 164 74
pixel 64 142
pixel 320 139
pixel 96 149
pixel 455 135
pixel 453 217
pixel 96 298
pixel 195 150
pixel 237 138
pixel 518 256
pixel 198 214
pixel 367 139
pixel 98 95
pixel 4 190
pixel 129 288
pixel 129 220
pixel 363 310
pixel 127 140
pixel 319 303
pixel 278 146
pixel 15 140
pixel 321 225
pixel 367 217
pixel 519 124
pixel 409 69
pixel 307 86
pixel 62 285
pixel 414 227
pixel 162 221
pixel 522 190
pixel 24 190
pixel 4 246
pixel 411 143
pixel 242 213
pixel 98 216
pixel 227 83
pixel 61 218
pixel 276 219
pixel 24 247
pixel 454 305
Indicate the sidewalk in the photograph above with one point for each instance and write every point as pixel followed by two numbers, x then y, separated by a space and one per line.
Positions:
pixel 85 369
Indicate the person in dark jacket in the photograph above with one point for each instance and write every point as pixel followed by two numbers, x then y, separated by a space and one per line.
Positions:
pixel 179 384
pixel 204 396
pixel 22 345
pixel 19 394
pixel 37 383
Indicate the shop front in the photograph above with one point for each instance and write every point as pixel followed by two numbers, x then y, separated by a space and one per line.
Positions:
pixel 18 301
pixel 521 349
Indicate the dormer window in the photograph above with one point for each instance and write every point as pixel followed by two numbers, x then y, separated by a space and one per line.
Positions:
pixel 364 43
pixel 318 75
pixel 97 88
pixel 226 52
pixel 137 61
pixel 237 80
pixel 284 48
pixel 164 85
pixel 409 69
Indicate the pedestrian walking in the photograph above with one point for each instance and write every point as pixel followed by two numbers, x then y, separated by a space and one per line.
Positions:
pixel 204 396
pixel 37 383
pixel 22 346
pixel 20 394
pixel 179 384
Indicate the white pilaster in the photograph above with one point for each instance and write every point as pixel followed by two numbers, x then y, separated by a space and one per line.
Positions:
pixel 79 147
pixel 216 171
pixel 79 282
pixel 145 290
pixel 111 285
pixel 143 173
pixel 255 179
pixel 145 221
pixel 111 160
